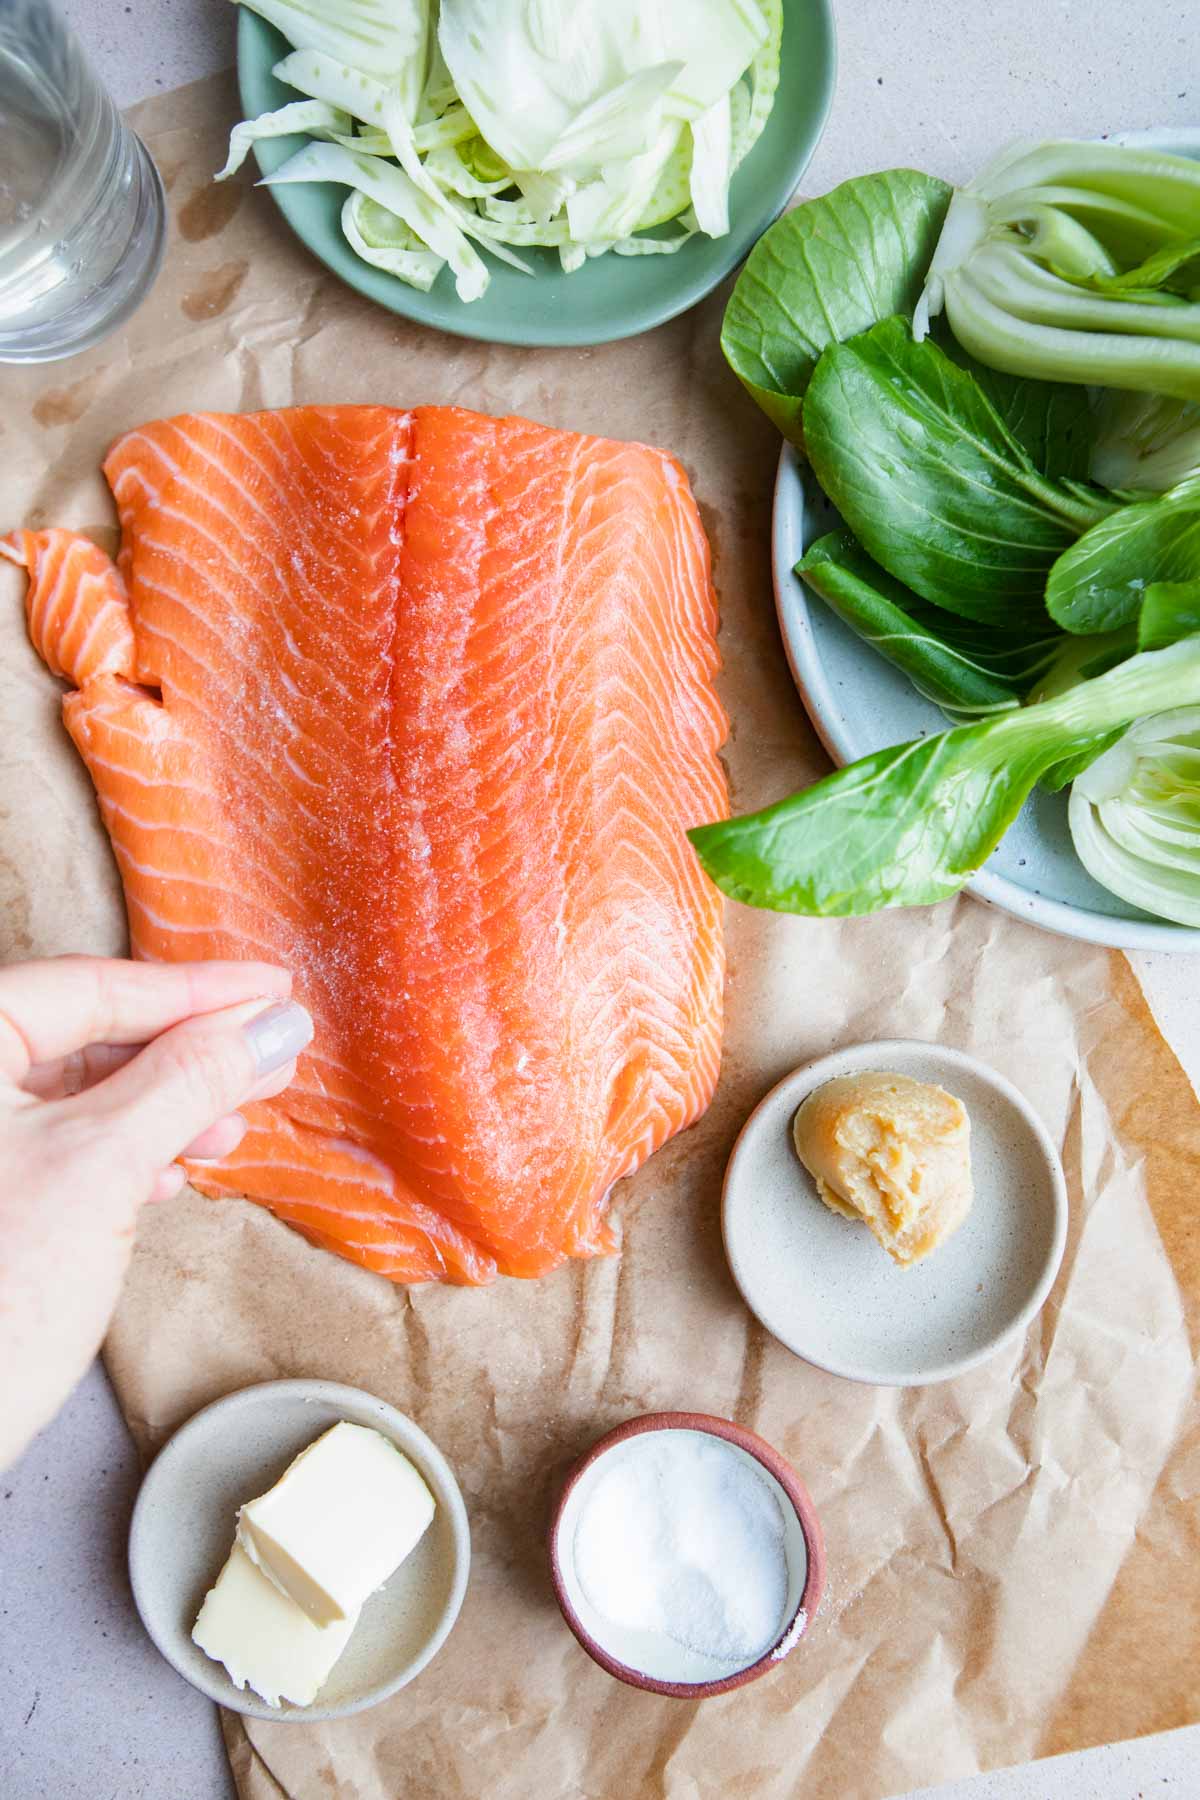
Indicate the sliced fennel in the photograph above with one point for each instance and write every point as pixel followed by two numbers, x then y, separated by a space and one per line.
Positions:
pixel 618 124
pixel 712 164
pixel 1072 261
pixel 388 39
pixel 314 117
pixel 326 78
pixel 386 242
pixel 526 70
pixel 391 188
pixel 579 128
pixel 750 117
pixel 1135 816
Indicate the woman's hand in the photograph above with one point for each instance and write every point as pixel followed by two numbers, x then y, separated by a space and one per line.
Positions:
pixel 108 1072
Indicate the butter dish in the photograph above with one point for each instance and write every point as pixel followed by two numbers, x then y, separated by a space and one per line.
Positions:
pixel 184 1521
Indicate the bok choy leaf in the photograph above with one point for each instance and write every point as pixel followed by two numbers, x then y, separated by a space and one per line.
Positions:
pixel 909 825
pixel 824 272
pixel 1170 611
pixel 1147 441
pixel 968 670
pixel 1099 583
pixel 935 483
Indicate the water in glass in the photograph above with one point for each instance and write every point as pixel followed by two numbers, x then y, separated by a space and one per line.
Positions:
pixel 82 217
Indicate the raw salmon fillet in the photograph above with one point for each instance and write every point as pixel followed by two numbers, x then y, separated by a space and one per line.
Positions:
pixel 419 705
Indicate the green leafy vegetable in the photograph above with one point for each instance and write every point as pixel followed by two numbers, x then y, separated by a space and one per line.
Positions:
pixel 1135 815
pixel 967 670
pixel 1099 583
pixel 1170 611
pixel 1076 262
pixel 1167 276
pixel 934 483
pixel 1144 440
pixel 909 825
pixel 996 551
pixel 1065 772
pixel 1051 420
pixel 824 272
pixel 1082 659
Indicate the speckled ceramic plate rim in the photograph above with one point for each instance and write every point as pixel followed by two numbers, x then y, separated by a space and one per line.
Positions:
pixel 808 672
pixel 808 1076
pixel 336 1394
pixel 798 1497
pixel 446 313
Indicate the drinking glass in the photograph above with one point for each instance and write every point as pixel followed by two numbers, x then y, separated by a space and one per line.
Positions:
pixel 82 215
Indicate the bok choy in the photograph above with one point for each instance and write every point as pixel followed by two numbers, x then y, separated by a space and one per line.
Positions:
pixel 934 482
pixel 909 825
pixel 998 389
pixel 1076 261
pixel 1135 816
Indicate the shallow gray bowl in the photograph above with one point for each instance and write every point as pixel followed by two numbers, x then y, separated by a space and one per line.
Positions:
pixel 823 1286
pixel 184 1521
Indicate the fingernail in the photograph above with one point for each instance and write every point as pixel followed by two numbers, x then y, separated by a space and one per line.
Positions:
pixel 277 1035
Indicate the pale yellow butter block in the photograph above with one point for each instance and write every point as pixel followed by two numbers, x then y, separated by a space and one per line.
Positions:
pixel 893 1152
pixel 263 1638
pixel 338 1521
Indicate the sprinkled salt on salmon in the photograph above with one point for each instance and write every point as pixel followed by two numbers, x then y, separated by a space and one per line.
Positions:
pixel 419 705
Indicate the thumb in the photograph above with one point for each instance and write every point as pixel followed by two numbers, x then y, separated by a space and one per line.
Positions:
pixel 191 1076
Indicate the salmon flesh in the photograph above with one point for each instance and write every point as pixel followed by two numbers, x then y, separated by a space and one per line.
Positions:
pixel 420 705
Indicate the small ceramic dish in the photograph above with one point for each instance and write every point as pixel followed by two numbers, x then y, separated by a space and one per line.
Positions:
pixel 183 1526
pixel 611 296
pixel 823 1286
pixel 616 1648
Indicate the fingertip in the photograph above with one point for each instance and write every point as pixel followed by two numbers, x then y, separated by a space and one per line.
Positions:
pixel 221 1139
pixel 163 1102
pixel 167 1184
pixel 277 980
pixel 219 984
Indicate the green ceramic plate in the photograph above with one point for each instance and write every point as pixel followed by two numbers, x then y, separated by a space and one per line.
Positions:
pixel 611 296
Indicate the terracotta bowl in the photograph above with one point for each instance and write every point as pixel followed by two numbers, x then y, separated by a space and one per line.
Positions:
pixel 805 1549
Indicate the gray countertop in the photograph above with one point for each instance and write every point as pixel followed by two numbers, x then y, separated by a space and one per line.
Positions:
pixel 88 1710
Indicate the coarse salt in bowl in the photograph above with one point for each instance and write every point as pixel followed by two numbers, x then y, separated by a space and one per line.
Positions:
pixel 686 1554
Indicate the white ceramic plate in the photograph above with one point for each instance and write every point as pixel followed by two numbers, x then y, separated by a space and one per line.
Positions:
pixel 183 1527
pixel 822 1285
pixel 859 703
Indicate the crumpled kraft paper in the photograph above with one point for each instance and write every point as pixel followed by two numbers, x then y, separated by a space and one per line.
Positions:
pixel 1013 1556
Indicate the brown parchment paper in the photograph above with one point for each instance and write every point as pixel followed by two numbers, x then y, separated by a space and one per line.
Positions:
pixel 1013 1556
